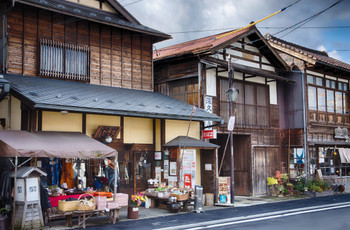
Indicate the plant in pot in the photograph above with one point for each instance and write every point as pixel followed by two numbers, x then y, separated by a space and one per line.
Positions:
pixel 272 182
pixel 135 201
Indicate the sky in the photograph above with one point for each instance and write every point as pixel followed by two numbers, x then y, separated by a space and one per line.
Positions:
pixel 186 20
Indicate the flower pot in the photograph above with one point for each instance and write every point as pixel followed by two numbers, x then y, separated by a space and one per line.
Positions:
pixel 133 212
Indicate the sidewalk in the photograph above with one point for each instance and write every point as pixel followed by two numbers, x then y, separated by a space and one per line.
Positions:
pixel 145 213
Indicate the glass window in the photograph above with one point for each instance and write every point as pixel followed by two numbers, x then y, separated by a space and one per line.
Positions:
pixel 339 102
pixel 310 79
pixel 328 83
pixel 330 101
pixel 333 84
pixel 346 103
pixel 312 98
pixel 345 87
pixel 340 85
pixel 321 99
pixel 319 81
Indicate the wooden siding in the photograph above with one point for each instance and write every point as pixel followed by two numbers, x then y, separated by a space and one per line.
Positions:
pixel 119 57
pixel 170 71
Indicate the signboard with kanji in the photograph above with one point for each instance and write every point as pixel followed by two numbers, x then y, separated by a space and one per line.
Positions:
pixel 209 134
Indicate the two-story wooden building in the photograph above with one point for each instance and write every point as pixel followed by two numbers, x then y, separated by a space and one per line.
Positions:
pixel 77 65
pixel 316 115
pixel 196 72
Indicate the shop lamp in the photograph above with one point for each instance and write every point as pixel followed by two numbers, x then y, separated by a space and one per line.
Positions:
pixel 108 139
pixel 4 87
pixel 232 94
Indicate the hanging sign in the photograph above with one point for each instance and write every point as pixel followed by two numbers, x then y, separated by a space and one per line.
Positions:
pixel 208 106
pixel 209 134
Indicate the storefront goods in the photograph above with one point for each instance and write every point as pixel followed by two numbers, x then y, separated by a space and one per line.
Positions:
pixel 85 204
pixel 101 202
pixel 122 199
pixel 67 206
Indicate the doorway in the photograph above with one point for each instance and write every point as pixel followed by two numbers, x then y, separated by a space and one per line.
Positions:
pixel 242 162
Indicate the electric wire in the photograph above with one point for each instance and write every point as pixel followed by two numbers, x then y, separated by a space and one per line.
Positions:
pixel 303 22
pixel 254 23
pixel 231 32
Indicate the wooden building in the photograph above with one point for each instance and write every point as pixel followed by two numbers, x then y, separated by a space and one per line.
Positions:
pixel 196 72
pixel 322 133
pixel 86 66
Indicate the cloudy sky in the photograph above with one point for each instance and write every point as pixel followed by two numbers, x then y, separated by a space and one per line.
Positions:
pixel 190 19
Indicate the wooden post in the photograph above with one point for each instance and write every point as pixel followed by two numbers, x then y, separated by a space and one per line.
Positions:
pixel 232 170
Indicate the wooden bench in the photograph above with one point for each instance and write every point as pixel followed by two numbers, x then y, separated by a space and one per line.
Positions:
pixel 54 213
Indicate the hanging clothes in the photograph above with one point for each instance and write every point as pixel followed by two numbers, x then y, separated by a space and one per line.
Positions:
pixel 67 173
pixel 52 167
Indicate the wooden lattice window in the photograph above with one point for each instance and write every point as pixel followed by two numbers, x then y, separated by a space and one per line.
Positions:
pixel 62 60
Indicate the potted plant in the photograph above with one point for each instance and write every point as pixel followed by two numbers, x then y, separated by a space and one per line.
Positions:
pixel 135 201
pixel 272 182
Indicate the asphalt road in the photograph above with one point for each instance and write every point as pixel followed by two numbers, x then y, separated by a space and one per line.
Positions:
pixel 330 212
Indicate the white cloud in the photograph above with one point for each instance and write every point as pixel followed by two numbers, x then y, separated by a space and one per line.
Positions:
pixel 197 15
pixel 334 54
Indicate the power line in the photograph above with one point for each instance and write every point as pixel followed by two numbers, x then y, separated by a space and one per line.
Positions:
pixel 132 3
pixel 303 22
pixel 231 32
pixel 260 27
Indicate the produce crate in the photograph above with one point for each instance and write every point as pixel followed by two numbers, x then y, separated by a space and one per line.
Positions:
pixel 180 197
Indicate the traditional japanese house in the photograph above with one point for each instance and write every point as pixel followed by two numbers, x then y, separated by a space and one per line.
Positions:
pixel 196 72
pixel 86 66
pixel 316 113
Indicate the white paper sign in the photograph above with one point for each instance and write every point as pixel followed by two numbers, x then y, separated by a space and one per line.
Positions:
pixel 208 167
pixel 231 123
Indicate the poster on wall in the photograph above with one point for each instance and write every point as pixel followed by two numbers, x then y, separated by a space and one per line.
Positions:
pixel 189 164
pixel 172 180
pixel 166 164
pixel 187 181
pixel 172 168
pixel 157 156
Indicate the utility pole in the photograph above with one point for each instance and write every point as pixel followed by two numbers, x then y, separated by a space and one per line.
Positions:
pixel 232 170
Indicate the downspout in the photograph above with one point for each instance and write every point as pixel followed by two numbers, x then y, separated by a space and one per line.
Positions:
pixel 304 121
pixel 8 112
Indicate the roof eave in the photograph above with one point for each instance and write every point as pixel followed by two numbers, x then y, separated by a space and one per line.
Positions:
pixel 124 113
pixel 159 36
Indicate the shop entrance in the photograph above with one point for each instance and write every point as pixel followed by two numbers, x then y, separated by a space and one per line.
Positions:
pixel 208 170
pixel 242 162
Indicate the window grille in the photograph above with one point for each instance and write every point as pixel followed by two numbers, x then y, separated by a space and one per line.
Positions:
pixel 62 60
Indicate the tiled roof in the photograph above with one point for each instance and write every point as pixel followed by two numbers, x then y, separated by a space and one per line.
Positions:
pixel 189 142
pixel 81 11
pixel 198 45
pixel 318 56
pixel 43 93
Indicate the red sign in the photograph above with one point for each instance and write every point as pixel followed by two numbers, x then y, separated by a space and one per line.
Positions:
pixel 187 181
pixel 209 134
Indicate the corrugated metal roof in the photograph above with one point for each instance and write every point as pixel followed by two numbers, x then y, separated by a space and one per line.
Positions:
pixel 81 11
pixel 199 45
pixel 189 142
pixel 43 93
pixel 318 56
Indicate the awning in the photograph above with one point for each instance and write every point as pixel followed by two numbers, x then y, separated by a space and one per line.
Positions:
pixel 344 155
pixel 52 144
pixel 189 142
